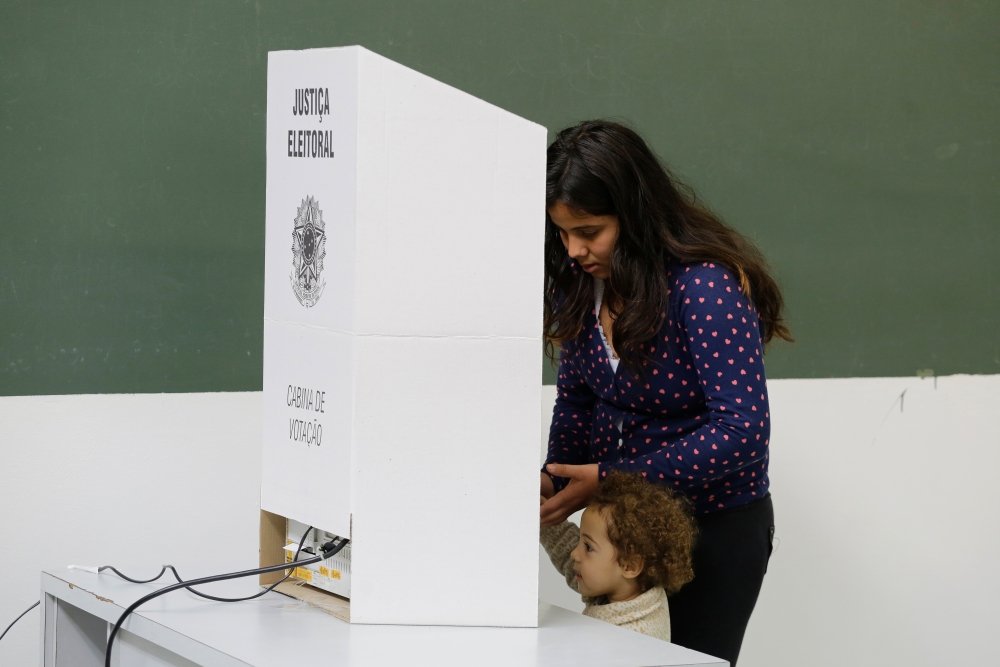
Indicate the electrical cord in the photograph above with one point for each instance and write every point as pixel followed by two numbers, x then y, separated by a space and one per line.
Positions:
pixel 328 550
pixel 177 576
pixel 179 579
pixel 18 619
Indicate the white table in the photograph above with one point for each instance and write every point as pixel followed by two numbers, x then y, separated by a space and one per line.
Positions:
pixel 180 629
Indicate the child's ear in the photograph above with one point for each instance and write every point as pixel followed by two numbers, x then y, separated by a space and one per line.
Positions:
pixel 632 567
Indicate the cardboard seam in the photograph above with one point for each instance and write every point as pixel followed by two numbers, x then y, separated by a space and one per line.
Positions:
pixel 344 332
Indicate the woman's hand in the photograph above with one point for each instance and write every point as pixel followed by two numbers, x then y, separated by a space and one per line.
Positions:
pixel 547 488
pixel 583 481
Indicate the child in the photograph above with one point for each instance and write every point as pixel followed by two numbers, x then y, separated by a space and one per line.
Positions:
pixel 632 549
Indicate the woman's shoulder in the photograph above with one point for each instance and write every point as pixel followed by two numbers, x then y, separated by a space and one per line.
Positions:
pixel 701 275
pixel 688 271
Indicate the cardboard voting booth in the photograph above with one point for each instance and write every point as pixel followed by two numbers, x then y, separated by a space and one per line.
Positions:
pixel 402 322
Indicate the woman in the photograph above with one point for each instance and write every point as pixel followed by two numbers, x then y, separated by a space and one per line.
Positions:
pixel 661 312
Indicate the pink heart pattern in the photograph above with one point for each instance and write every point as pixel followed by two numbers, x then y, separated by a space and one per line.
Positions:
pixel 696 418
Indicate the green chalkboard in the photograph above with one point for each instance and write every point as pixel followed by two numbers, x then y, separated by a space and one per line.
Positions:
pixel 855 141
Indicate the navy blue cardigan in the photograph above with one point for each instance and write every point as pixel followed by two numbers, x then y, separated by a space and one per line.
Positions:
pixel 698 418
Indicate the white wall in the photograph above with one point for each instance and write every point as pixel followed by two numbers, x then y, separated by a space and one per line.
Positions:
pixel 130 480
pixel 888 530
pixel 885 494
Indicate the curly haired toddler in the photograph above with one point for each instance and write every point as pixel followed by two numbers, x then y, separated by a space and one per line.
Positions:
pixel 632 550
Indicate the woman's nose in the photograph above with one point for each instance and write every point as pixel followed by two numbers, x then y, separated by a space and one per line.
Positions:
pixel 575 249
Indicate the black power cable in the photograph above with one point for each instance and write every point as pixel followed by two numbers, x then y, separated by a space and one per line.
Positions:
pixel 179 579
pixel 328 550
pixel 18 619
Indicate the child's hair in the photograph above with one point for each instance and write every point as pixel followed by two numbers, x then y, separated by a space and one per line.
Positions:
pixel 649 521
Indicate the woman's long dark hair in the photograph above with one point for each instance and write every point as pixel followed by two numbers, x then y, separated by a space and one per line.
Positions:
pixel 603 168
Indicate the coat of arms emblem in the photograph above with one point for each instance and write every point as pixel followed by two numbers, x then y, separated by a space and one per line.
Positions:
pixel 308 251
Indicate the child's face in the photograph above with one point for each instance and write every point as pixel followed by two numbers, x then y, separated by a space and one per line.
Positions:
pixel 595 562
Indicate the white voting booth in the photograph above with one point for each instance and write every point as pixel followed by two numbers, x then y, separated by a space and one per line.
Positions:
pixel 402 350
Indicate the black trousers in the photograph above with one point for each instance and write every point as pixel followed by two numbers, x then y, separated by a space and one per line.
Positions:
pixel 710 614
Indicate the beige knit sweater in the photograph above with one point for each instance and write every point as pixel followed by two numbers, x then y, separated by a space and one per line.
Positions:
pixel 648 613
